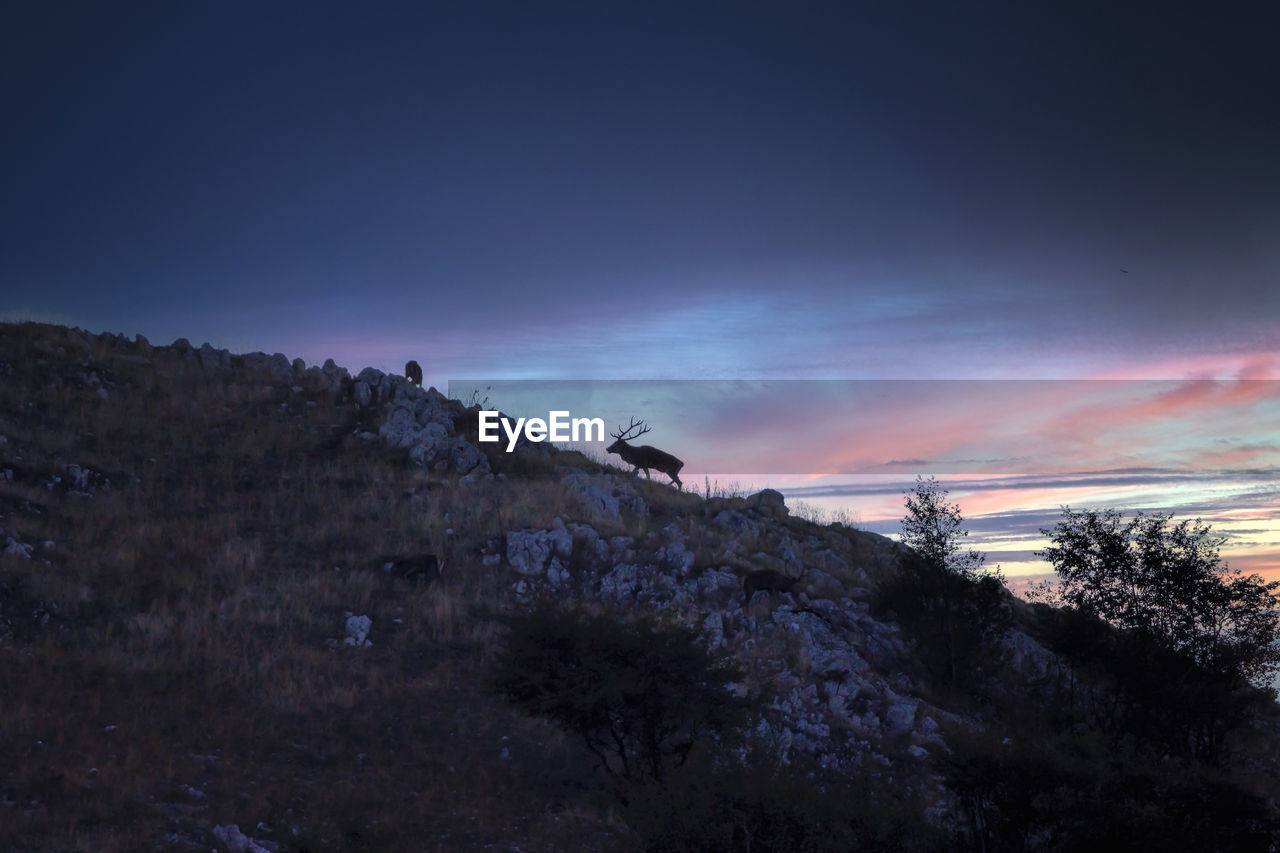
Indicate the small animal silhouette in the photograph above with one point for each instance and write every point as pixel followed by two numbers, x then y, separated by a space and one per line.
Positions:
pixel 644 457
pixel 766 580
pixel 413 373
pixel 415 568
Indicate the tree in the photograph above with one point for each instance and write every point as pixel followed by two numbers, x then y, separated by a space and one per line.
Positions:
pixel 934 528
pixel 640 691
pixel 1152 577
pixel 956 611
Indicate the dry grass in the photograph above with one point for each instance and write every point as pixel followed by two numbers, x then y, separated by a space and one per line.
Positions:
pixel 191 670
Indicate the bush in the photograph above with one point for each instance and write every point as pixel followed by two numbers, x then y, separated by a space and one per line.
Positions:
pixel 1145 690
pixel 1167 581
pixel 639 691
pixel 956 619
pixel 1076 793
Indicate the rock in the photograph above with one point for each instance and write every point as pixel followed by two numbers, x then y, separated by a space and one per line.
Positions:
pixel 715 583
pixel 217 360
pixel 465 458
pixel 371 379
pixel 237 842
pixel 589 543
pixel 528 551
pixel 768 501
pixel 335 377
pixel 561 540
pixel 557 575
pixel 358 628
pixel 594 496
pixel 713 629
pixel 402 429
pixel 621 585
pixel 899 717
pixel 281 369
pixel 678 557
pixel 422 424
pixel 79 477
pixel 1026 656
pixel 15 548
pixel 737 524
pixel 80 341
pixel 822 585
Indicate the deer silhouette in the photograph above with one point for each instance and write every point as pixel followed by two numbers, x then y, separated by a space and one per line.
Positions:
pixel 644 457
pixel 413 373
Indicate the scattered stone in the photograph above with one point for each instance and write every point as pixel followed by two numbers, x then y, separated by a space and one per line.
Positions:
pixel 14 548
pixel 530 551
pixel 358 628
pixel 237 842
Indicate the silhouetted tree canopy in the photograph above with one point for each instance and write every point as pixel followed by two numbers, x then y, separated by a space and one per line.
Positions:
pixel 935 529
pixel 1166 580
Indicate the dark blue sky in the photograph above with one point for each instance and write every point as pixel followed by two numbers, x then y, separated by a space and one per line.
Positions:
pixel 683 190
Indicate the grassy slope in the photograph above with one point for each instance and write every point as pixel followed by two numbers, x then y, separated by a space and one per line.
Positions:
pixel 185 675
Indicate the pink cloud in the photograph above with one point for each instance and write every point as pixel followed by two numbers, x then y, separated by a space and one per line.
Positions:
pixel 1262 363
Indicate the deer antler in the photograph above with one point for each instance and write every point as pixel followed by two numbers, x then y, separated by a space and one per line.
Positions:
pixel 625 434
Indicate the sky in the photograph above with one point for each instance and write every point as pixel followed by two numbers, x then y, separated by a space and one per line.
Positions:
pixel 710 191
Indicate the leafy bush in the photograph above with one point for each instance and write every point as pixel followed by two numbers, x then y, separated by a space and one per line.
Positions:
pixel 1167 581
pixel 1145 690
pixel 640 691
pixel 1080 793
pixel 956 619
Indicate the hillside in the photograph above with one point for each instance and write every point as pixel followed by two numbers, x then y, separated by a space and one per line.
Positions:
pixel 238 590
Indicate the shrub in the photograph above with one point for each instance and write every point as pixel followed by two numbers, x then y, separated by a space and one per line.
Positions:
pixel 956 619
pixel 640 691
pixel 1080 793
pixel 1167 581
pixel 1145 690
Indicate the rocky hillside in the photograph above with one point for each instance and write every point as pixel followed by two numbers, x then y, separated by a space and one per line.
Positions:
pixel 250 604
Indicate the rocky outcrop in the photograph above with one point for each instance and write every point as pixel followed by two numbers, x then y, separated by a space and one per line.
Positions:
pixel 832 673
pixel 421 422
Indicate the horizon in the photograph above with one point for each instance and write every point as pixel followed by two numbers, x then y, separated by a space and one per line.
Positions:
pixel 680 193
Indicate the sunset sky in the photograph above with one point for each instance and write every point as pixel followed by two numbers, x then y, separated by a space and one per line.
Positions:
pixel 841 191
